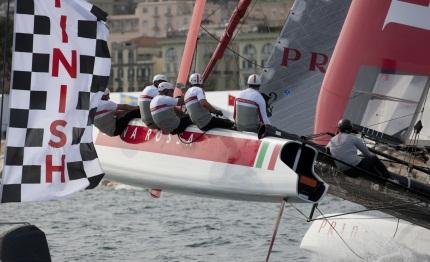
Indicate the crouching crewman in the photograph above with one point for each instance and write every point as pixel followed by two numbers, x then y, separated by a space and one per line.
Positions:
pixel 200 109
pixel 250 107
pixel 164 112
pixel 112 118
pixel 145 98
pixel 344 147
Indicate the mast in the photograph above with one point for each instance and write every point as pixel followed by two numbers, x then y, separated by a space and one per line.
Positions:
pixel 238 13
pixel 190 45
pixel 419 110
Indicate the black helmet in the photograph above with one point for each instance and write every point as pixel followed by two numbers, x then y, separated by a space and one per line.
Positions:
pixel 344 125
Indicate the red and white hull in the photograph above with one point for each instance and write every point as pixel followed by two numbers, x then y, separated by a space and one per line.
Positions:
pixel 221 163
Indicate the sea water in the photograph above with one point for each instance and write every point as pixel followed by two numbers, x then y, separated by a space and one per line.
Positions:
pixel 121 223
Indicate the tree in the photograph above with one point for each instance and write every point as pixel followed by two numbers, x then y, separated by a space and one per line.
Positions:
pixel 9 38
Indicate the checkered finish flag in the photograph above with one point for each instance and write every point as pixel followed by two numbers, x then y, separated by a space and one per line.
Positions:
pixel 61 65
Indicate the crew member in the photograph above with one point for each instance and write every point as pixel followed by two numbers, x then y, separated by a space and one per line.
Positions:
pixel 200 109
pixel 250 107
pixel 344 147
pixel 145 97
pixel 166 115
pixel 112 118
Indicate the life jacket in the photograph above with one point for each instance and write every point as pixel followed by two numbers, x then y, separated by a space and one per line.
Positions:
pixel 105 119
pixel 247 115
pixel 198 114
pixel 144 105
pixel 164 114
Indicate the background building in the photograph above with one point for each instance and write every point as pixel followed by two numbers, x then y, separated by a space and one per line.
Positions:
pixel 116 7
pixel 151 18
pixel 246 55
pixel 134 62
pixel 148 36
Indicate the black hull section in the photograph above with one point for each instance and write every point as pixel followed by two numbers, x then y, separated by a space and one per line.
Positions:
pixel 23 243
pixel 407 200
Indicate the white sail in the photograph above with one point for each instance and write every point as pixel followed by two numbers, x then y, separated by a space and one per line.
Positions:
pixel 394 97
pixel 386 102
pixel 300 56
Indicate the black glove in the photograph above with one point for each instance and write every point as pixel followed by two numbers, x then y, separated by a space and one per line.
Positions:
pixel 266 97
pixel 218 113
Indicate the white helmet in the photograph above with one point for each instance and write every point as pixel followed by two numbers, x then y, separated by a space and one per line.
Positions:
pixel 196 79
pixel 165 86
pixel 106 92
pixel 159 78
pixel 254 80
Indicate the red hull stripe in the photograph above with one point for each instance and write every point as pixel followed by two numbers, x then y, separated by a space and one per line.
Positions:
pixel 222 149
pixel 274 157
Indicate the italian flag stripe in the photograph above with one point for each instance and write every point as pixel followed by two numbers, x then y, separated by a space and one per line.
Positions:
pixel 262 154
pixel 274 157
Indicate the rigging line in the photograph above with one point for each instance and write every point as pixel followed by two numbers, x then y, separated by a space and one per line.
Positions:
pixel 298 210
pixel 338 218
pixel 337 233
pixel 424 105
pixel 389 120
pixel 232 50
pixel 237 60
pixel 364 210
pixel 409 154
pixel 363 218
pixel 216 10
pixel 300 219
pixel 397 227
pixel 414 149
pixel 265 20
pixel 195 55
pixel 6 30
pixel 243 21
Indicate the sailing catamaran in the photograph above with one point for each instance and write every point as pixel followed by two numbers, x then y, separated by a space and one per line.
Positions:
pixel 241 166
pixel 389 82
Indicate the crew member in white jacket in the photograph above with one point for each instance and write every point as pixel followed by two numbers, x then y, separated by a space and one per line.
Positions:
pixel 166 115
pixel 112 118
pixel 344 147
pixel 250 107
pixel 145 98
pixel 200 109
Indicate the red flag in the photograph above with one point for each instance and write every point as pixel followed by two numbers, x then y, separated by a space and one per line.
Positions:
pixel 231 100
